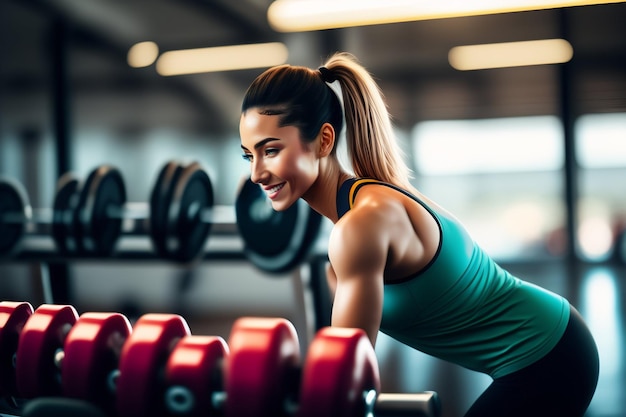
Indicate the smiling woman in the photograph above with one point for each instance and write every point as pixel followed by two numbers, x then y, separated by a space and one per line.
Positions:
pixel 399 262
pixel 278 158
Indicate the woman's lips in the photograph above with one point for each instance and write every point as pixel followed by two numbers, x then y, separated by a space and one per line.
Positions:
pixel 273 191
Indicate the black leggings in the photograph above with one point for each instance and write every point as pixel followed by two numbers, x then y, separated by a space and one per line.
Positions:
pixel 560 384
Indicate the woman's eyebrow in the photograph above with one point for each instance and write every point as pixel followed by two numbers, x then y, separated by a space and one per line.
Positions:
pixel 260 143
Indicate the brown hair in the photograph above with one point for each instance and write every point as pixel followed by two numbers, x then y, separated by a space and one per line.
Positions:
pixel 303 99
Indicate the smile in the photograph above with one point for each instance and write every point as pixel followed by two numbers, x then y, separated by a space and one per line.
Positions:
pixel 274 189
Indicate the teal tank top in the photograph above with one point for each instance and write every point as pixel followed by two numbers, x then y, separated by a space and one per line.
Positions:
pixel 463 307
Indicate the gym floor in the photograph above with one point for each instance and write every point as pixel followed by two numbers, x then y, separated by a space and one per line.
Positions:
pixel 598 292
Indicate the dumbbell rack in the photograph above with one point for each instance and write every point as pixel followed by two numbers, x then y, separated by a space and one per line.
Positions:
pixel 146 226
pixel 55 362
pixel 87 217
pixel 135 245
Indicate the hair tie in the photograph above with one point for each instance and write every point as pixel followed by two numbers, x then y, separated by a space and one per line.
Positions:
pixel 327 75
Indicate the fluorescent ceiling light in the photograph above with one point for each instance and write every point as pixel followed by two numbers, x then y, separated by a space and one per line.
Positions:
pixel 142 54
pixel 510 54
pixel 306 15
pixel 222 58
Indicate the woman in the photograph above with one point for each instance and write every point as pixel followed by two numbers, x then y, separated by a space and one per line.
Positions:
pixel 399 263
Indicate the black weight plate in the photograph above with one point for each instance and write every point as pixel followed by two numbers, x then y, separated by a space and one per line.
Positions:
pixel 15 212
pixel 63 206
pixel 99 210
pixel 187 229
pixel 159 203
pixel 275 242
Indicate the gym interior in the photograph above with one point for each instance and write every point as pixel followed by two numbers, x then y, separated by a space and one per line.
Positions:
pixel 530 156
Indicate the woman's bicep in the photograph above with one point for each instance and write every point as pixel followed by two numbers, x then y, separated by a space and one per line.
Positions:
pixel 358 261
pixel 358 304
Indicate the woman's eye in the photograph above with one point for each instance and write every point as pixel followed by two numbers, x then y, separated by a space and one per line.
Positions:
pixel 247 157
pixel 271 151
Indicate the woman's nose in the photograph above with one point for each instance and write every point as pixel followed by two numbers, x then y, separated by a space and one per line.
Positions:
pixel 258 172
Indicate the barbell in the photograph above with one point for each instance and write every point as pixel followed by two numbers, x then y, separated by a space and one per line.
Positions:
pixel 86 217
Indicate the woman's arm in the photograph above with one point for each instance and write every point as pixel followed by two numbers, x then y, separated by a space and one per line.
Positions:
pixel 358 250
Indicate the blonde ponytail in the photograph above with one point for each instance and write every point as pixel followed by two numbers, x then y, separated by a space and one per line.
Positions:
pixel 372 147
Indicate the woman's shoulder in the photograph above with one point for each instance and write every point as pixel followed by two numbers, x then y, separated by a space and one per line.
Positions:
pixel 376 202
pixel 374 210
pixel 362 236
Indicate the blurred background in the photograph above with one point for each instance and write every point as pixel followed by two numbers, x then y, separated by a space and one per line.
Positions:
pixel 530 155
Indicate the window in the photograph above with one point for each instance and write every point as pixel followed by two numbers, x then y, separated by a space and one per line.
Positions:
pixel 601 155
pixel 501 177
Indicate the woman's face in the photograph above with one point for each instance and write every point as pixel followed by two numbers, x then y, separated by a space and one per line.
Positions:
pixel 280 162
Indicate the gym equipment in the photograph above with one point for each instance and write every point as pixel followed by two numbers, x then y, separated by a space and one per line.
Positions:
pixel 340 367
pixel 180 211
pixel 251 375
pixel 91 355
pixel 340 378
pixel 274 241
pixel 62 211
pixel 13 316
pixel 258 374
pixel 265 354
pixel 97 217
pixel 160 195
pixel 86 217
pixel 13 202
pixel 49 352
pixel 141 361
pixel 193 374
pixel 159 368
pixel 37 366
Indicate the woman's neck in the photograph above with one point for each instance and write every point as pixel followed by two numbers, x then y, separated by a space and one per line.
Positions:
pixel 322 196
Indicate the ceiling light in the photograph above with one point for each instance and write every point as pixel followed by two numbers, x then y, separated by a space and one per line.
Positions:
pixel 222 58
pixel 306 15
pixel 510 54
pixel 142 54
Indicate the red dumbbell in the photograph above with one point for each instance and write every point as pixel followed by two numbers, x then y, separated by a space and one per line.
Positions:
pixel 139 388
pixel 341 378
pixel 203 375
pixel 262 367
pixel 91 356
pixel 13 317
pixel 37 364
pixel 193 375
pixel 58 353
pixel 340 367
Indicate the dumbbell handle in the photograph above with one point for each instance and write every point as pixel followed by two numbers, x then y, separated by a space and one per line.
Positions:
pixel 422 404
pixel 141 211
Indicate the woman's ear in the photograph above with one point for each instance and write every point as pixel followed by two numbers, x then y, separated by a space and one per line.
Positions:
pixel 327 140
